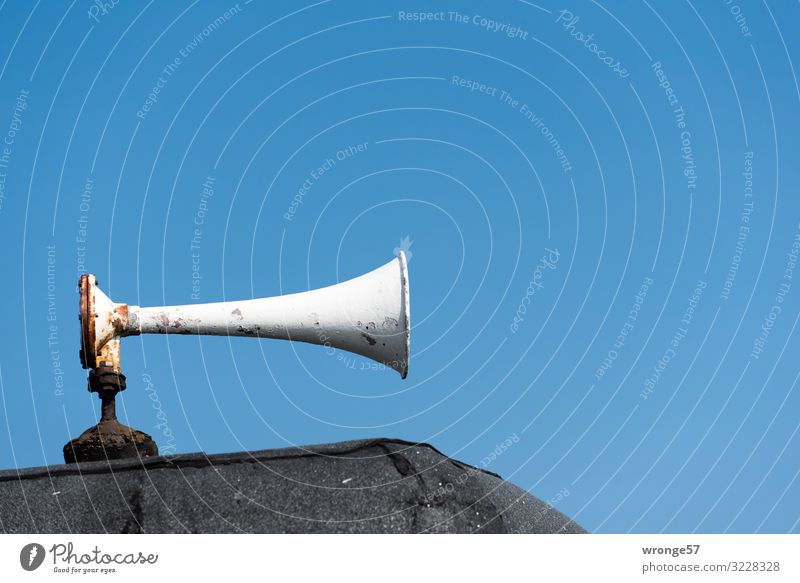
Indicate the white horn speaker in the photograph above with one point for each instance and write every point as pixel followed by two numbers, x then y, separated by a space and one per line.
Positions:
pixel 368 315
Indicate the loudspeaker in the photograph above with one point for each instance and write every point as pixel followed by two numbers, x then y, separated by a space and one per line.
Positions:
pixel 368 315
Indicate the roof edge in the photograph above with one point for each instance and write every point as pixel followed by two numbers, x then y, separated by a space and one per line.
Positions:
pixel 201 459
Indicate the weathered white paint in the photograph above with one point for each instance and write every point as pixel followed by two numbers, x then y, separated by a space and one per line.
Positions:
pixel 368 315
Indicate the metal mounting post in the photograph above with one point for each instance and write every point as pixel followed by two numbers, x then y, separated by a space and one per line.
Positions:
pixel 109 439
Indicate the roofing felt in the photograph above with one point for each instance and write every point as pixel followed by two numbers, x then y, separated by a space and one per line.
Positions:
pixel 367 486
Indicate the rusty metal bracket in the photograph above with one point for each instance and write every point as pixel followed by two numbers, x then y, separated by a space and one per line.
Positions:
pixel 109 439
pixel 103 323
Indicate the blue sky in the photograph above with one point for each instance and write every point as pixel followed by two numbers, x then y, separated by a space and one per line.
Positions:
pixel 598 202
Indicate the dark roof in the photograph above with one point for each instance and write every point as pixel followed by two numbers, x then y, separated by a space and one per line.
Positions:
pixel 376 486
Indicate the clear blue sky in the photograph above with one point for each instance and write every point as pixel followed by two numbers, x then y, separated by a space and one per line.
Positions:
pixel 599 204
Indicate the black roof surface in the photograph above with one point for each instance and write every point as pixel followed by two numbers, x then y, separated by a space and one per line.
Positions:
pixel 368 486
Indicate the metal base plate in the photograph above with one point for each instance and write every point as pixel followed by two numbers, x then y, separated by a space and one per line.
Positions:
pixel 109 440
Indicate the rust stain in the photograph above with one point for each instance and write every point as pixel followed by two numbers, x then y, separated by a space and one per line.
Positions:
pixel 119 319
